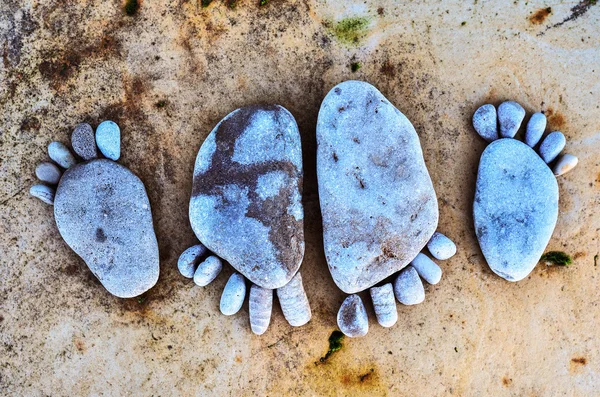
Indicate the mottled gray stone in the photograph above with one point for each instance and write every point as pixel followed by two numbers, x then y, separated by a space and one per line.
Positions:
pixel 441 247
pixel 515 208
pixel 207 271
pixel 535 129
pixel 233 295
pixel 552 145
pixel 43 192
pixel 108 139
pixel 83 142
pixel 377 200
pixel 427 269
pixel 352 317
pixel 260 307
pixel 189 259
pixel 48 172
pixel 408 287
pixel 294 302
pixel 61 155
pixel 510 116
pixel 565 164
pixel 246 203
pixel 384 304
pixel 485 122
pixel 103 213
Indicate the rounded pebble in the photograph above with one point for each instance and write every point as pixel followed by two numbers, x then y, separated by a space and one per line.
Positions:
pixel 108 139
pixel 535 129
pixel 261 305
pixel 43 192
pixel 441 247
pixel 294 302
pixel 510 116
pixel 233 295
pixel 48 172
pixel 352 317
pixel 61 155
pixel 83 141
pixel 408 287
pixel 427 269
pixel 552 145
pixel 207 271
pixel 565 164
pixel 189 258
pixel 485 122
pixel 384 304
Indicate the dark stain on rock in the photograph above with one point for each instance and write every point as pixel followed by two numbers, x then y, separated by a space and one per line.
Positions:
pixel 100 236
pixel 387 69
pixel 556 120
pixel 131 7
pixel 579 361
pixel 506 381
pixel 577 11
pixel 30 124
pixel 540 15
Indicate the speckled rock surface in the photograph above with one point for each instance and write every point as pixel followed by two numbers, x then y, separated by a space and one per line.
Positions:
pixel 377 200
pixel 515 208
pixel 102 211
pixel 246 201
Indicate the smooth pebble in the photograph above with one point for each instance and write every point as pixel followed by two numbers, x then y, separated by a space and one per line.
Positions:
pixel 384 304
pixel 260 307
pixel 43 192
pixel 108 139
pixel 189 259
pixel 83 142
pixel 294 302
pixel 48 172
pixel 61 155
pixel 552 145
pixel 441 247
pixel 510 116
pixel 352 317
pixel 233 295
pixel 535 129
pixel 427 269
pixel 485 122
pixel 207 271
pixel 565 164
pixel 408 287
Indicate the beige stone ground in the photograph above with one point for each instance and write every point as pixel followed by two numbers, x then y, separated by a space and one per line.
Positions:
pixel 65 61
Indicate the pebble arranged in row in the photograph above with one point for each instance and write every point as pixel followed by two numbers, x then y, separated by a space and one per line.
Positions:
pixel 61 155
pixel 108 139
pixel 233 295
pixel 48 172
pixel 510 116
pixel 43 192
pixel 565 164
pixel 294 302
pixel 427 269
pixel 261 305
pixel 384 304
pixel 352 317
pixel 535 129
pixel 207 271
pixel 189 259
pixel 83 142
pixel 485 122
pixel 552 145
pixel 408 287
pixel 441 247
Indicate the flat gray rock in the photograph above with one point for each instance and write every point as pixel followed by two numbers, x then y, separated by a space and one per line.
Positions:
pixel 246 203
pixel 377 200
pixel 102 211
pixel 515 208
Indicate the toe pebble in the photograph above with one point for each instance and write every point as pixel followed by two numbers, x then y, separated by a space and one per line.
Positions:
pixel 535 129
pixel 441 247
pixel 61 155
pixel 552 145
pixel 510 116
pixel 189 259
pixel 427 269
pixel 408 287
pixel 43 192
pixel 294 303
pixel 83 142
pixel 384 304
pixel 486 122
pixel 261 305
pixel 207 271
pixel 565 164
pixel 48 172
pixel 352 317
pixel 233 295
pixel 108 139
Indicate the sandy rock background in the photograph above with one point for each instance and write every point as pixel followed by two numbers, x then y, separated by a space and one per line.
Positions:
pixel 169 72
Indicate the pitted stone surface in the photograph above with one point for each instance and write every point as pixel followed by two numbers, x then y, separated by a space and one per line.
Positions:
pixel 377 200
pixel 246 203
pixel 103 213
pixel 515 208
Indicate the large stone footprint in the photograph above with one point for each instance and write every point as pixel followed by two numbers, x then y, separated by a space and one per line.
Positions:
pixel 246 207
pixel 516 198
pixel 101 210
pixel 378 204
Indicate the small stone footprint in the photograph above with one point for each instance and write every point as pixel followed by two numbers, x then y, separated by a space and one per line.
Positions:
pixel 516 198
pixel 101 209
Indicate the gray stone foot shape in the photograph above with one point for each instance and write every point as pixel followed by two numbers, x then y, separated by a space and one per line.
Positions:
pixel 516 197
pixel 246 207
pixel 101 209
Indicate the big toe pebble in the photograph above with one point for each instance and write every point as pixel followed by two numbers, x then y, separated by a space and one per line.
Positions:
pixel 552 145
pixel 485 122
pixel 352 317
pixel 510 116
pixel 83 142
pixel 441 247
pixel 108 139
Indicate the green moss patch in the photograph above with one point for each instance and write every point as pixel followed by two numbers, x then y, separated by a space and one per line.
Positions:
pixel 557 258
pixel 335 344
pixel 350 30
pixel 131 7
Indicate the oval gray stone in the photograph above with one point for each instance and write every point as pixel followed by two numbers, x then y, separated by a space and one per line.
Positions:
pixel 408 287
pixel 441 247
pixel 427 269
pixel 207 271
pixel 48 172
pixel 535 129
pixel 377 200
pixel 384 305
pixel 189 259
pixel 294 303
pixel 43 192
pixel 61 155
pixel 83 142
pixel 233 295
pixel 515 208
pixel 510 116
pixel 103 213
pixel 352 317
pixel 565 164
pixel 246 203
pixel 108 139
pixel 485 122
pixel 552 145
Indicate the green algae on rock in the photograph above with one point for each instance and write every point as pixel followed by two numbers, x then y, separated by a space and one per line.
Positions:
pixel 350 30
pixel 335 344
pixel 557 258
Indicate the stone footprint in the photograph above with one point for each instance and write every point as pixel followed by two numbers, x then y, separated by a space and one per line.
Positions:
pixel 246 207
pixel 378 205
pixel 516 198
pixel 101 209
